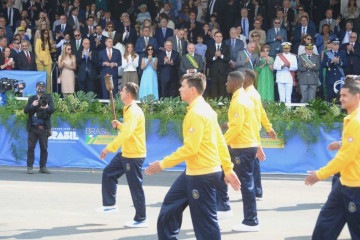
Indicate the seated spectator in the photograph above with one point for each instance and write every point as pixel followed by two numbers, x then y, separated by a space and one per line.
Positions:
pixel 213 23
pixel 24 25
pixel 7 62
pixel 109 30
pixel 149 79
pixel 240 34
pixel 305 40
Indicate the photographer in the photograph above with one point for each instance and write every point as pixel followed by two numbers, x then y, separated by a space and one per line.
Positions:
pixel 39 109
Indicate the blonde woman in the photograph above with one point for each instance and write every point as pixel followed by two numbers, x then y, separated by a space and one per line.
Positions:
pixel 42 26
pixel 43 57
pixel 67 65
pixel 130 62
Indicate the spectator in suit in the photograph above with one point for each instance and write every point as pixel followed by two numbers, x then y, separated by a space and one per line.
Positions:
pixel 128 33
pixel 89 29
pixel 299 31
pixel 335 62
pixel 34 9
pixel 246 22
pixel 235 45
pixel 308 66
pixel 178 42
pixel 11 14
pixel 328 20
pixel 143 41
pixel 168 65
pixel 43 58
pixel 247 58
pixel 215 7
pixel 8 32
pixel 218 58
pixel 163 33
pixel 261 32
pixel 109 61
pixel 249 6
pixel 97 40
pixel 15 48
pixel 289 13
pixel 61 29
pixel 275 37
pixel 75 22
pixel 86 61
pixel 232 9
pixel 76 44
pixel 25 59
pixel 106 19
pixel 344 34
pixel 191 62
pixel 194 27
pixel 284 23
pixel 352 49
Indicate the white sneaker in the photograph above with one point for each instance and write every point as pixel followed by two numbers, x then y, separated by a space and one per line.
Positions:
pixel 222 215
pixel 107 209
pixel 135 224
pixel 259 198
pixel 245 228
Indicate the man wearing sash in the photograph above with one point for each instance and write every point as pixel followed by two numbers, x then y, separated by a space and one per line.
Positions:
pixel 285 64
pixel 247 59
pixel 191 62
pixel 334 61
pixel 309 65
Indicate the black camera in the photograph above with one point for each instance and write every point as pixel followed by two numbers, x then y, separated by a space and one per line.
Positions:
pixel 43 101
pixel 16 86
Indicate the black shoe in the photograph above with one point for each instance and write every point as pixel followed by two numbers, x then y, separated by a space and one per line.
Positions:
pixel 30 170
pixel 44 170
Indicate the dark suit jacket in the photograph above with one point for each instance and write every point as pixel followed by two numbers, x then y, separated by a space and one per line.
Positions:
pixel 130 39
pixel 192 34
pixel 160 37
pixel 218 10
pixel 44 114
pixel 85 31
pixel 168 73
pixel 71 22
pixel 219 65
pixel 73 46
pixel 239 46
pixel 353 59
pixel 101 46
pixel 113 20
pixel 186 65
pixel 89 65
pixel 23 64
pixel 173 40
pixel 68 29
pixel 298 34
pixel 115 58
pixel 140 46
pixel 332 70
pixel 15 16
pixel 33 11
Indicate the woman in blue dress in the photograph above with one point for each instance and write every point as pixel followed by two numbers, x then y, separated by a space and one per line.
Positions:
pixel 149 79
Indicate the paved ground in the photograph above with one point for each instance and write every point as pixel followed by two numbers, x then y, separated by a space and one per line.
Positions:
pixel 61 206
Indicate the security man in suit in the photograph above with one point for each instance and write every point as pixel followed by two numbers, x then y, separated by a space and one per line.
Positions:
pixel 334 61
pixel 39 109
pixel 352 49
pixel 308 67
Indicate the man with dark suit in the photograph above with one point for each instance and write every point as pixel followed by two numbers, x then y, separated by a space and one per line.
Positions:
pixel 301 30
pixel 62 29
pixel 97 41
pixel 246 22
pixel 194 27
pixel 74 20
pixel 127 34
pixel 352 49
pixel 191 62
pixel 178 42
pixel 215 7
pixel 34 9
pixel 89 29
pixel 169 61
pixel 25 59
pixel 249 6
pixel 275 37
pixel 334 61
pixel 11 14
pixel 107 18
pixel 344 34
pixel 86 62
pixel 109 61
pixel 76 44
pixel 308 68
pixel 235 45
pixel 163 33
pixel 15 50
pixel 143 41
pixel 218 58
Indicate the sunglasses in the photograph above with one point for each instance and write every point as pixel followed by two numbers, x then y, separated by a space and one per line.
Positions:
pixel 110 26
pixel 277 22
pixel 68 49
pixel 301 9
pixel 255 36
pixel 308 38
pixel 352 36
pixel 77 35
pixel 150 49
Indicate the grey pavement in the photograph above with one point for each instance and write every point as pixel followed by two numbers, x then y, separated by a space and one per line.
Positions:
pixel 62 206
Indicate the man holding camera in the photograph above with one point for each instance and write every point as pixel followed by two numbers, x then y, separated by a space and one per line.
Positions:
pixel 39 109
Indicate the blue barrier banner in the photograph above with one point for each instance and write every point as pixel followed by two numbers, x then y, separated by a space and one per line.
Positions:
pixel 29 77
pixel 72 147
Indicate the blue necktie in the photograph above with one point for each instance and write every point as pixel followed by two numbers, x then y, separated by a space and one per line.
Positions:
pixel 164 32
pixel 244 27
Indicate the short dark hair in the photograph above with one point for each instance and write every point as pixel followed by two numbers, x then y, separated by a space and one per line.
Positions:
pixel 197 80
pixel 237 76
pixel 250 75
pixel 353 84
pixel 132 88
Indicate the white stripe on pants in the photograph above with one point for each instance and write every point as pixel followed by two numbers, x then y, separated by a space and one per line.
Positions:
pixel 285 90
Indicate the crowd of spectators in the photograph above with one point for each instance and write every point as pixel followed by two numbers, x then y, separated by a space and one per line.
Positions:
pixel 154 42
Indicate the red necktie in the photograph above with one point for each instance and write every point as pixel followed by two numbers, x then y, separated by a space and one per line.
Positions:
pixel 28 57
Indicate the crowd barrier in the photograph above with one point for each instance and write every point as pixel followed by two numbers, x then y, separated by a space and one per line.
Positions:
pixel 81 147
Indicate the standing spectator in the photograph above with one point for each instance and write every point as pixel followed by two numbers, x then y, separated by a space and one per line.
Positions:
pixel 335 62
pixel 275 37
pixel 34 9
pixel 26 59
pixel 248 58
pixel 67 65
pixel 285 64
pixel 149 80
pixel 75 22
pixel 11 14
pixel 178 42
pixel 98 40
pixel 194 27
pixel 246 22
pixel 163 33
pixel 8 32
pixel 43 25
pixel 6 61
pixel 213 23
pixel 191 62
pixel 256 37
pixel 309 66
pixel 43 57
pixel 265 83
pixel 106 19
pixel 61 29
pixel 128 34
pixel 130 62
pixel 109 31
pixel 351 11
pixel 169 62
pixel 15 48
pixel 328 20
pixel 352 50
pixel 232 9
pixel 301 30
pixel 307 39
pixel 109 61
pixel 261 32
pixel 89 29
pixel 142 42
pixel 218 58
pixel 144 14
pixel 86 60
pixel 76 44
pixel 38 126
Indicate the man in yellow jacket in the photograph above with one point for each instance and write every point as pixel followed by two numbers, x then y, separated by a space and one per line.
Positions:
pixel 343 203
pixel 262 120
pixel 131 139
pixel 206 156
pixel 241 137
